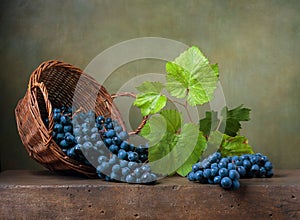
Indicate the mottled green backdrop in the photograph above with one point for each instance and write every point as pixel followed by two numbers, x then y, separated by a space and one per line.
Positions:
pixel 256 43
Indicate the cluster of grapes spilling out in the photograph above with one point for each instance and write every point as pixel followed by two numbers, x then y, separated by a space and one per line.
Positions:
pixel 101 142
pixel 226 171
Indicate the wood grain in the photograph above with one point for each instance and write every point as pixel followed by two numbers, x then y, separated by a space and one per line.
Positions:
pixel 45 195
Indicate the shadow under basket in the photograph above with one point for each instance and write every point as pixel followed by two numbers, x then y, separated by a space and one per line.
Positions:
pixel 52 85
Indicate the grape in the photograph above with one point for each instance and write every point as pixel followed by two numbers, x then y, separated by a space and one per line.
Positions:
pixel 58 127
pixel 206 173
pixel 235 184
pixel 122 154
pixel 241 170
pixel 268 165
pixel 123 135
pixel 125 171
pixel 226 182
pixel 223 172
pixel 138 172
pixel 196 167
pixel 130 178
pixel 247 164
pixel 234 175
pixel 255 168
pixel 217 179
pixel 231 166
pixel 226 171
pixel 110 133
pixel 114 149
pixel 214 171
pixel 133 156
pixel 116 168
pixel 123 163
pixel 191 176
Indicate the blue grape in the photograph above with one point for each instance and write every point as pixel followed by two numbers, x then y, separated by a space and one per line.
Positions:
pixel 235 184
pixel 217 179
pixel 206 173
pixel 108 142
pixel 123 135
pixel 234 175
pixel 124 145
pixel 226 182
pixel 241 170
pixel 268 165
pixel 110 133
pixel 132 156
pixel 122 154
pixel 124 163
pixel 58 127
pixel 223 172
pixel 191 176
pixel 130 178
pixel 199 175
pixel 116 168
pixel 231 166
pixel 138 172
pixel 125 171
pixel 214 171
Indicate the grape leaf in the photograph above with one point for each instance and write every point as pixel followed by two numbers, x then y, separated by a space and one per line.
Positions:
pixel 233 119
pixel 229 122
pixel 191 75
pixel 167 121
pixel 215 68
pixel 150 100
pixel 173 119
pixel 209 123
pixel 237 145
pixel 154 129
pixel 200 147
pixel 172 145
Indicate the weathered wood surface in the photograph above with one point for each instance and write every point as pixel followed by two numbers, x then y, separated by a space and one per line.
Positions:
pixel 44 195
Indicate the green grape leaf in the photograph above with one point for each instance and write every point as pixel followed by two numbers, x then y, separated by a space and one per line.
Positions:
pixel 200 147
pixel 172 147
pixel 173 119
pixel 229 121
pixel 233 119
pixel 154 129
pixel 215 68
pixel 209 123
pixel 191 75
pixel 237 145
pixel 150 100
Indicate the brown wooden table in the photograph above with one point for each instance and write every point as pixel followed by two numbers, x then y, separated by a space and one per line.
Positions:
pixel 44 195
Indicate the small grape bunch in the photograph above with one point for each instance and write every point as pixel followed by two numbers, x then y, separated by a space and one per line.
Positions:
pixel 226 171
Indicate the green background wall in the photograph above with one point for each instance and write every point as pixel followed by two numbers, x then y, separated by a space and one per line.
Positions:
pixel 256 43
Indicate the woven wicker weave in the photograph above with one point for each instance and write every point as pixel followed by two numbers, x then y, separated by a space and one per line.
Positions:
pixel 55 84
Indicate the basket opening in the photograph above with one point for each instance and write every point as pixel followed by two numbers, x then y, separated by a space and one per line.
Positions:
pixel 71 88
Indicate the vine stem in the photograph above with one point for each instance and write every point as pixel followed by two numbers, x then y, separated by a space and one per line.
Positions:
pixel 185 106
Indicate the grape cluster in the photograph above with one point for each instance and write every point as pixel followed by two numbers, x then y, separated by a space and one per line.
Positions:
pixel 116 169
pixel 103 141
pixel 64 136
pixel 226 171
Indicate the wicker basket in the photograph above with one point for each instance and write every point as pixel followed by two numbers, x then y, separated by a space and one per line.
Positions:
pixel 55 84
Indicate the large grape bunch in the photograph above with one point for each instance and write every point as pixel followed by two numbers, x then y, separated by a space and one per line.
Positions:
pixel 226 171
pixel 101 142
